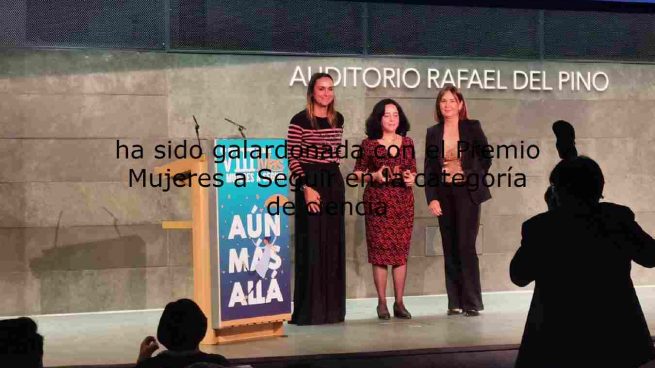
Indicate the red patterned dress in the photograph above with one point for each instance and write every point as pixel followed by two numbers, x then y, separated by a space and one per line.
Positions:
pixel 388 234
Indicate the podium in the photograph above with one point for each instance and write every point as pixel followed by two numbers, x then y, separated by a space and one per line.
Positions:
pixel 247 314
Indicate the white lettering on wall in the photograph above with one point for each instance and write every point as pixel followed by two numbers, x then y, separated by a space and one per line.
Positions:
pixel 466 78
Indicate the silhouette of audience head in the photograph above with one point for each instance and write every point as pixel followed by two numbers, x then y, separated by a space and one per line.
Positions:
pixel 577 181
pixel 20 343
pixel 182 326
pixel 205 365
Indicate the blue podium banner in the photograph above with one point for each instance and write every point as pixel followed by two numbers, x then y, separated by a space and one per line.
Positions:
pixel 253 236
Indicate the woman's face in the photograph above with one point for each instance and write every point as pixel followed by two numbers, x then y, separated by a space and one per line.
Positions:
pixel 324 92
pixel 450 106
pixel 390 119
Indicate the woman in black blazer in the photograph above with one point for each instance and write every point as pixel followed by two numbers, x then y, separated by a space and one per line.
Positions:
pixel 455 165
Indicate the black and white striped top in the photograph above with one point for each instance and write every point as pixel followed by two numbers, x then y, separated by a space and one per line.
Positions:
pixel 307 145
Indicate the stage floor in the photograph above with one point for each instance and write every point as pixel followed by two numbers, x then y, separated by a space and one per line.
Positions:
pixel 114 337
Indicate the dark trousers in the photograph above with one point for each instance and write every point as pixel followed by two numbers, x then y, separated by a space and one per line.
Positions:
pixel 458 225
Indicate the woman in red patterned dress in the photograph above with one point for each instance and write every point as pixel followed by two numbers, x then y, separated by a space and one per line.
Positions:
pixel 388 164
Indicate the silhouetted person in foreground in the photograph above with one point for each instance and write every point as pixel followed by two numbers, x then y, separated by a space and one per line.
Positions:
pixel 584 311
pixel 181 328
pixel 20 344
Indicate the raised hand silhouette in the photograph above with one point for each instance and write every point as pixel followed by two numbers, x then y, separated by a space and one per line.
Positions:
pixel 565 144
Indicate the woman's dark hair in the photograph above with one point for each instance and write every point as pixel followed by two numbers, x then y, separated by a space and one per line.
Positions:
pixel 374 121
pixel 580 178
pixel 182 325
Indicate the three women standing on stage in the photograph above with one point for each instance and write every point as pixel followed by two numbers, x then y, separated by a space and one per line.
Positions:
pixel 320 276
pixel 388 165
pixel 316 132
pixel 453 199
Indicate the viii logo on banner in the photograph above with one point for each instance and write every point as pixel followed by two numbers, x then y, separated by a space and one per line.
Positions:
pixel 254 263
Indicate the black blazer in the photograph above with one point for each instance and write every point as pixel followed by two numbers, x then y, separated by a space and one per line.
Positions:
pixel 584 310
pixel 473 160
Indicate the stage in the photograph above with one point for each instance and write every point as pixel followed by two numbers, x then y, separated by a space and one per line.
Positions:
pixel 114 337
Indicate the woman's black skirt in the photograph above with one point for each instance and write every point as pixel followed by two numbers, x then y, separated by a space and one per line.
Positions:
pixel 320 265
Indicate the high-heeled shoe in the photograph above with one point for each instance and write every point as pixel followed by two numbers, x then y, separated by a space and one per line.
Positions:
pixel 471 313
pixel 454 311
pixel 383 312
pixel 399 311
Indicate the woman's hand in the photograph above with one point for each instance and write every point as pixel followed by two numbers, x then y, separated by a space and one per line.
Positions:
pixel 148 347
pixel 313 199
pixel 408 178
pixel 435 207
pixel 379 177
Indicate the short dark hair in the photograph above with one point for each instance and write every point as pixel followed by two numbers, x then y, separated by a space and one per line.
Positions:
pixel 182 325
pixel 20 343
pixel 374 121
pixel 580 177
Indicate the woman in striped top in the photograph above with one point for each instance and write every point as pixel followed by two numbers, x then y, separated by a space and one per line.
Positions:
pixel 320 276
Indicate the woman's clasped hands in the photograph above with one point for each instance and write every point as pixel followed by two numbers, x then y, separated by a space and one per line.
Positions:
pixel 386 174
